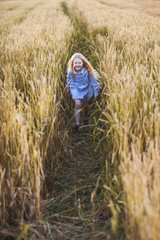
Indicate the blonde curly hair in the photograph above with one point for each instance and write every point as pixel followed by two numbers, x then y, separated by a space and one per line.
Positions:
pixel 91 71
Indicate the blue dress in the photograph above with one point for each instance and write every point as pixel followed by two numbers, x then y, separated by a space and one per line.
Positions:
pixel 83 85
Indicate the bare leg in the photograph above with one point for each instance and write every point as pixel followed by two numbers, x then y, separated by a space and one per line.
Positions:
pixel 77 110
pixel 85 110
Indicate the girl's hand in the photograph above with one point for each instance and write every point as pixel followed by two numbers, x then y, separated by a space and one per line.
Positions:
pixel 95 99
pixel 68 92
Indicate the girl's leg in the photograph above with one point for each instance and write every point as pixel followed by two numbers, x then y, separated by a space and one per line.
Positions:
pixel 85 110
pixel 77 110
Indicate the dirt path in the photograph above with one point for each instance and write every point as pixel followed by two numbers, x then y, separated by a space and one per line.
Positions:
pixel 70 209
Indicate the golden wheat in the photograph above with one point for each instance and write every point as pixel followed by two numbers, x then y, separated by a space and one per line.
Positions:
pixel 129 56
pixel 31 72
pixel 33 54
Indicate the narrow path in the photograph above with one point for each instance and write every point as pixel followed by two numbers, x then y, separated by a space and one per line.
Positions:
pixel 70 211
pixel 70 208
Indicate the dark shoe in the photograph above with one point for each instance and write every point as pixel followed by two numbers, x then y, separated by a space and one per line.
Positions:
pixel 86 122
pixel 76 127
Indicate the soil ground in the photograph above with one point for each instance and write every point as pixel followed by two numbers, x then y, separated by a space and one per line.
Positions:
pixel 70 207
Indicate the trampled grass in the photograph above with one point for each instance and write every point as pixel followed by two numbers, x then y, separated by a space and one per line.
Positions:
pixel 121 39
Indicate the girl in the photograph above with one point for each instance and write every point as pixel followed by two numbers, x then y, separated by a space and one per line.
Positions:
pixel 81 83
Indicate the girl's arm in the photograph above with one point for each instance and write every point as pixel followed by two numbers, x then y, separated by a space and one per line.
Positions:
pixel 68 78
pixel 68 83
pixel 94 85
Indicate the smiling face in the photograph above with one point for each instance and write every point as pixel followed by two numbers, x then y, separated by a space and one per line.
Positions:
pixel 77 64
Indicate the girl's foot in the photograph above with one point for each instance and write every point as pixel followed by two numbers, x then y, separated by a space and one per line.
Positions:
pixel 86 122
pixel 76 127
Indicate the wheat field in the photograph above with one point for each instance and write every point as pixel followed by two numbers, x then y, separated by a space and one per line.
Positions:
pixel 121 39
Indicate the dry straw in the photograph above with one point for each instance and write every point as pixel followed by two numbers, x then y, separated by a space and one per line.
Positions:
pixel 32 70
